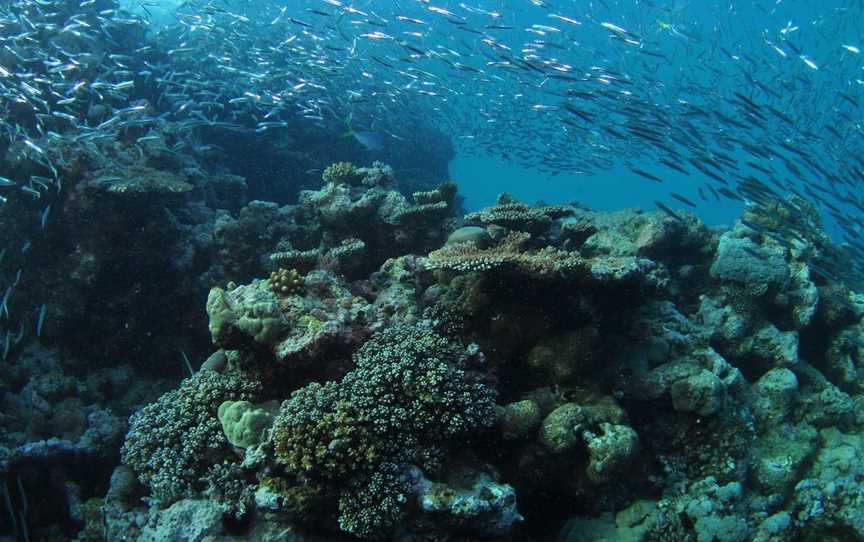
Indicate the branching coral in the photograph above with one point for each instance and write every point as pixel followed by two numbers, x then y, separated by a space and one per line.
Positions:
pixel 342 173
pixel 317 436
pixel 175 441
pixel 410 381
pixel 408 394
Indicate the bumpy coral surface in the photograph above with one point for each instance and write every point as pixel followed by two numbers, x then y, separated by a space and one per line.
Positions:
pixel 408 393
pixel 539 370
pixel 174 442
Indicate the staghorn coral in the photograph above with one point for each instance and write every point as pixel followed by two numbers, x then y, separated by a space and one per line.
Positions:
pixel 342 257
pixel 444 192
pixel 299 259
pixel 428 206
pixel 345 256
pixel 138 181
pixel 173 442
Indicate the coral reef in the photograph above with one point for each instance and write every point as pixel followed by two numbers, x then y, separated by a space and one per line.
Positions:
pixel 357 438
pixel 174 442
pixel 285 282
pixel 386 371
pixel 342 173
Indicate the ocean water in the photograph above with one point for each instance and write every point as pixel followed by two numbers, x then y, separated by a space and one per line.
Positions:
pixel 431 270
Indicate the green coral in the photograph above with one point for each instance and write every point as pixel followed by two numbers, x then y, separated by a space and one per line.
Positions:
pixel 263 322
pixel 311 324
pixel 250 310
pixel 244 424
pixel 285 282
pixel 221 317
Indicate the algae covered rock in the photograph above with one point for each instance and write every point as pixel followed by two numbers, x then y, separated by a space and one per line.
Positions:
pixel 701 393
pixel 751 267
pixel 781 456
pixel 804 296
pixel 831 496
pixel 189 519
pixel 519 419
pixel 773 395
pixel 611 449
pixel 561 428
pixel 563 356
pixel 714 511
pixel 844 359
pixel 244 424
pixel 468 500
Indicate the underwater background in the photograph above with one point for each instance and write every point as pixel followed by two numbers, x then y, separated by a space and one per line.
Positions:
pixel 431 270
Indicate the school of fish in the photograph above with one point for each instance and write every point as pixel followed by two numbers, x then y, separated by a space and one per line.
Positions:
pixel 747 104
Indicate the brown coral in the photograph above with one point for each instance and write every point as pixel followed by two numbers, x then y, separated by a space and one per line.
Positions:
pixel 285 282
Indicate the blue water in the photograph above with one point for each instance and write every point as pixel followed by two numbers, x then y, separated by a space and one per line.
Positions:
pixel 482 178
pixel 738 27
